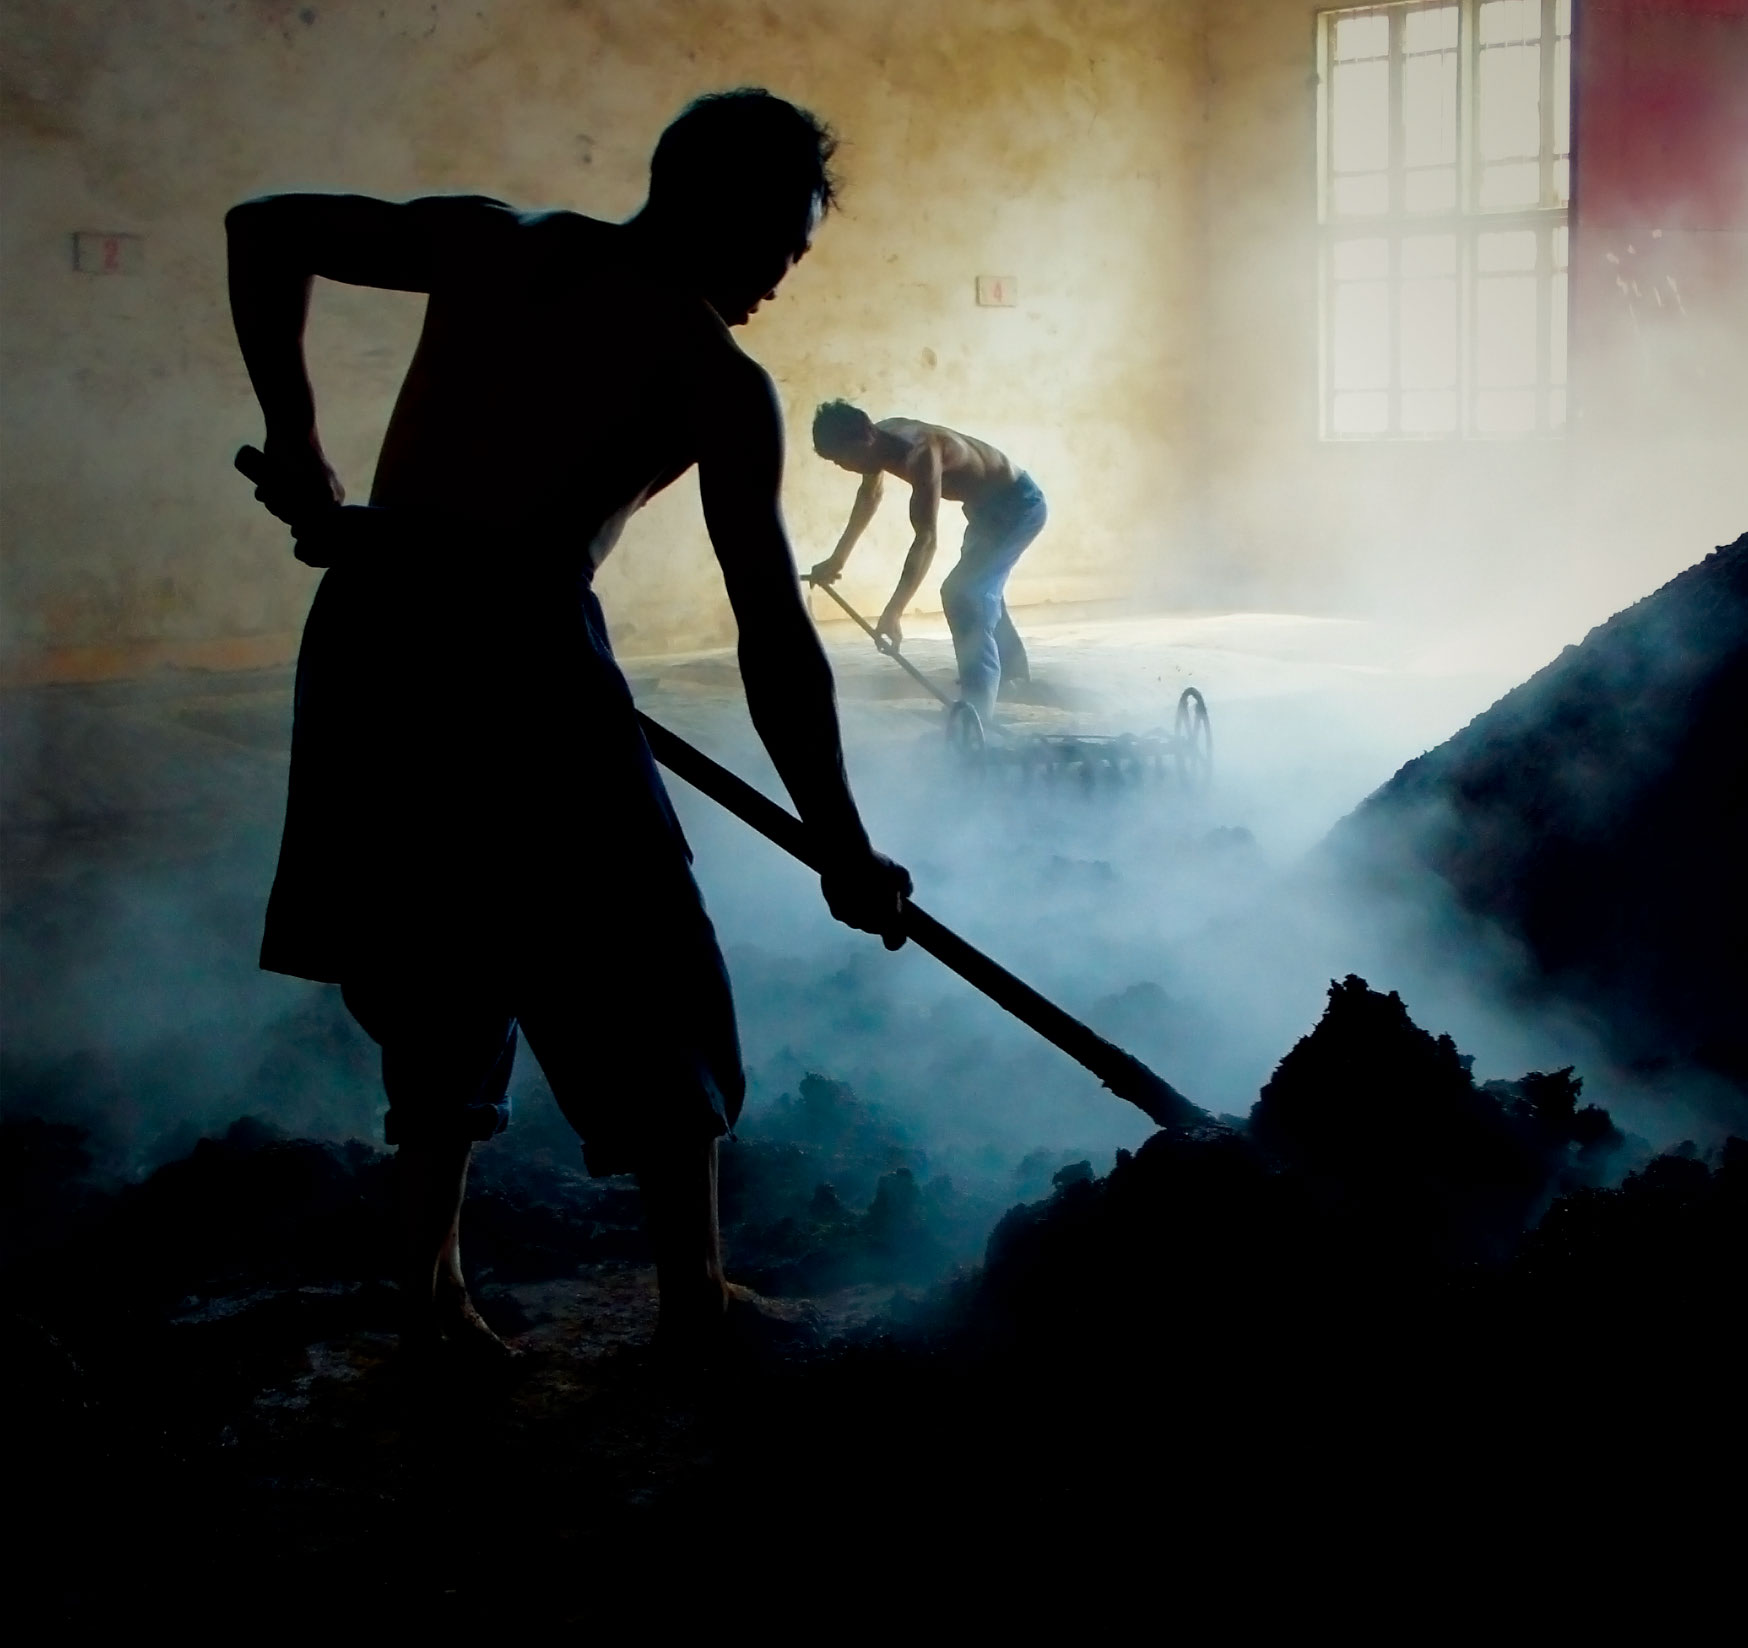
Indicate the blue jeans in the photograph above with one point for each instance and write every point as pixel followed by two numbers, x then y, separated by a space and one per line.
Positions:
pixel 985 642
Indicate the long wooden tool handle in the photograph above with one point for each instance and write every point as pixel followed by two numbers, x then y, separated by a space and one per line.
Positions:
pixel 891 652
pixel 1123 1073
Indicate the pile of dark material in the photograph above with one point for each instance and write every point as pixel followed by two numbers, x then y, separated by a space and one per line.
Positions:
pixel 1341 1290
pixel 1349 1320
pixel 1374 1178
pixel 1388 1125
pixel 825 1192
pixel 1597 814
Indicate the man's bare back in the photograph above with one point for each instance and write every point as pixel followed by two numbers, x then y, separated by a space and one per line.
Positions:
pixel 559 378
pixel 968 469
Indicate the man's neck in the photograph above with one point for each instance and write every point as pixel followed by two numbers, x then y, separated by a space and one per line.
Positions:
pixel 666 253
pixel 652 243
pixel 892 451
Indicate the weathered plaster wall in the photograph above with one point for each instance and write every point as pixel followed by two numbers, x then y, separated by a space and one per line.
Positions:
pixel 1053 140
pixel 1546 535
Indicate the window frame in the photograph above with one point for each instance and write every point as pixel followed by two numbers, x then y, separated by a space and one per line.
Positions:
pixel 1466 222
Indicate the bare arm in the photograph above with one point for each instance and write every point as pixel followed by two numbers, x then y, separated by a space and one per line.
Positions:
pixel 788 682
pixel 868 496
pixel 277 245
pixel 924 475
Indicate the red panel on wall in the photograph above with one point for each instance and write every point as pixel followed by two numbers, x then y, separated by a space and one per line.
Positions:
pixel 1660 214
pixel 1661 113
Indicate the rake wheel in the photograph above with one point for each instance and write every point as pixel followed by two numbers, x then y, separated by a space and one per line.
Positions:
pixel 1193 747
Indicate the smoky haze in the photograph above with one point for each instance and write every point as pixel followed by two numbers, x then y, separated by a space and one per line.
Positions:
pixel 1343 605
pixel 1199 932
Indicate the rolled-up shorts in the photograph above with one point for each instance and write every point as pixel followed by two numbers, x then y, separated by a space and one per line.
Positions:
pixel 478 845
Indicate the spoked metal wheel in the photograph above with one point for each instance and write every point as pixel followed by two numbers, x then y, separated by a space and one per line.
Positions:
pixel 1193 747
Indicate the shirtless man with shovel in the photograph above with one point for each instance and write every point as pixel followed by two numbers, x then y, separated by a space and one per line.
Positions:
pixel 476 838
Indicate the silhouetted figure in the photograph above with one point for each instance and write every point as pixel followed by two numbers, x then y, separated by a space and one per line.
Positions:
pixel 1004 512
pixel 476 836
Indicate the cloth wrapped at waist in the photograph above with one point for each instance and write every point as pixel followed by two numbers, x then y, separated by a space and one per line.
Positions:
pixel 351 534
pixel 466 758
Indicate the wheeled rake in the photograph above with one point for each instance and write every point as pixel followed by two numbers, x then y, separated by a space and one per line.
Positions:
pixel 1185 754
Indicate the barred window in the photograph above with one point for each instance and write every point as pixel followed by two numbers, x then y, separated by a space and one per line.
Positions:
pixel 1444 161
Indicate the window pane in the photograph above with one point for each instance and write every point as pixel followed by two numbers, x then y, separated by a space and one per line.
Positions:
pixel 1360 117
pixel 1563 97
pixel 1429 110
pixel 1428 320
pixel 1429 411
pixel 1505 249
pixel 1518 183
pixel 1504 20
pixel 1509 111
pixel 1362 196
pixel 1505 331
pixel 1505 411
pixel 1434 29
pixel 1362 335
pixel 1360 414
pixel 1365 36
pixel 1434 191
pixel 1557 328
pixel 1429 255
pixel 1361 259
pixel 1437 326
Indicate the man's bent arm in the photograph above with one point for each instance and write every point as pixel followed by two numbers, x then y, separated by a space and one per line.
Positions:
pixel 783 667
pixel 277 245
pixel 868 496
pixel 925 508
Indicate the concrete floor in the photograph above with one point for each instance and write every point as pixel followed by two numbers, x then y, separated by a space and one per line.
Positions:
pixel 1309 714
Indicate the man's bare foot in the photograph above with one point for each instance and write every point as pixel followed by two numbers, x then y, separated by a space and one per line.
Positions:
pixel 780 1323
pixel 465 1331
pixel 450 1338
pixel 748 1328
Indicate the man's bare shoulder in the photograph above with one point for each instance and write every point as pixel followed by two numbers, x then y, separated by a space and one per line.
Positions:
pixel 561 247
pixel 738 417
pixel 604 264
pixel 908 430
pixel 922 437
pixel 925 443
pixel 965 464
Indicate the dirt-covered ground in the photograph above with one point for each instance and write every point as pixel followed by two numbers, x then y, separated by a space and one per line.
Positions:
pixel 1394 1299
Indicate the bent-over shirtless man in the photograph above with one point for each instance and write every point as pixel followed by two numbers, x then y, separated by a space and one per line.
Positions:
pixel 475 835
pixel 1004 512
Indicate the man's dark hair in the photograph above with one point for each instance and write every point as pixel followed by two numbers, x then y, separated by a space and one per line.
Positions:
pixel 838 425
pixel 744 150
